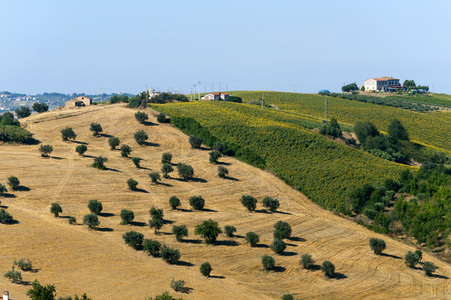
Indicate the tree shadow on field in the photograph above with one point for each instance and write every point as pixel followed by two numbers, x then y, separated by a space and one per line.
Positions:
pixel 184 263
pixel 105 135
pixel 439 276
pixel 297 239
pixel 231 178
pixel 141 191
pixel 33 141
pixel 204 148
pixel 25 283
pixel 57 157
pixel 278 269
pixel 4 206
pixel 282 212
pixel 209 210
pixel 226 243
pixel 88 156
pixel 288 253
pixel 262 211
pixel 22 188
pixel 151 144
pixel 261 246
pixel 340 276
pixel 81 143
pixel 34 270
pixel 389 255
pixel 147 123
pixel 191 241
pixel 314 268
pixel 195 179
pixel 216 277
pixel 8 195
pixel 168 221
pixel 13 222
pixel 224 163
pixel 140 224
pixel 105 215
pixel 104 229
pixel 111 169
pixel 164 184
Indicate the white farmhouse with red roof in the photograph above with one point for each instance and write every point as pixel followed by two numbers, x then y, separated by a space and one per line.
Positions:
pixel 386 84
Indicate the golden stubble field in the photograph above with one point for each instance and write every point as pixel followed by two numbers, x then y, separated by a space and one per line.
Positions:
pixel 98 262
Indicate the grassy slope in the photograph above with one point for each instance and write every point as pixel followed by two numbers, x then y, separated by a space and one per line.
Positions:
pixel 322 169
pixel 98 262
pixel 430 129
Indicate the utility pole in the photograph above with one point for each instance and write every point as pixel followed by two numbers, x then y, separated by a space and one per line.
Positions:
pixel 200 88
pixel 191 95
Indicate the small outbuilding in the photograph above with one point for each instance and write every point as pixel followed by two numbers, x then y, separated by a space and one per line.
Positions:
pixel 216 96
pixel 78 102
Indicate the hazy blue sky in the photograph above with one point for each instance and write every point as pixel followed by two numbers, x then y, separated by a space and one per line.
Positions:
pixel 120 46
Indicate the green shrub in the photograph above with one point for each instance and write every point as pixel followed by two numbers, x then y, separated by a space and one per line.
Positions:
pixel 95 128
pixel 125 150
pixel 95 206
pixel 132 184
pixel 154 176
pixel 229 230
pixel 370 213
pixel 56 209
pixel 306 261
pixel 164 296
pixel 222 171
pixel 2 189
pixel 270 203
pixel 68 134
pixel 214 155
pixel 5 217
pixel 166 169
pixel 140 137
pixel 221 147
pixel 14 276
pixel 197 202
pixel 205 269
pixel 249 202
pixel 45 150
pixel 195 141
pixel 157 218
pixel 169 255
pixel 152 247
pixel 72 220
pixel 429 268
pixel 141 117
pixel 174 202
pixel 287 297
pixel 208 230
pixel 133 239
pixel 377 245
pixel 420 255
pixel 81 149
pixel 180 232
pixel 278 246
pixel 127 216
pixel 328 268
pixel 166 158
pixel 136 161
pixel 161 118
pixel 91 220
pixel 13 182
pixel 282 230
pixel 178 285
pixel 252 238
pixel 40 107
pixel 15 134
pixel 411 259
pixel 113 142
pixel 24 264
pixel 268 262
pixel 99 162
pixel 23 112
pixel 185 171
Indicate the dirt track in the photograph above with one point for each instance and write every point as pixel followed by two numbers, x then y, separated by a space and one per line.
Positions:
pixel 99 263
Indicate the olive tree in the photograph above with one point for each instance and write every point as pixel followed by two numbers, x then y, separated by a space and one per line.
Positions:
pixel 81 149
pixel 328 268
pixel 166 169
pixel 166 158
pixel 197 202
pixel 411 259
pixel 13 182
pixel 99 162
pixel 306 261
pixel 141 117
pixel 229 230
pixel 23 112
pixel 268 262
pixel 136 161
pixel 270 203
pixel 174 202
pixel 377 245
pixel 5 217
pixel 278 246
pixel 95 206
pixel 180 232
pixel 205 269
pixel 169 255
pixel 45 150
pixel 132 184
pixel 214 155
pixel 208 230
pixel 56 209
pixel 133 239
pixel 127 216
pixel 282 230
pixel 249 202
pixel 154 176
pixel 91 220
pixel 156 220
pixel 95 128
pixel 113 142
pixel 222 171
pixel 429 268
pixel 252 238
pixel 185 171
pixel 125 150
pixel 140 137
pixel 68 134
pixel 2 189
pixel 195 141
pixel 152 247
pixel 40 107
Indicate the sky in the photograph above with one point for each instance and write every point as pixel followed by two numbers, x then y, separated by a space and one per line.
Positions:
pixel 172 45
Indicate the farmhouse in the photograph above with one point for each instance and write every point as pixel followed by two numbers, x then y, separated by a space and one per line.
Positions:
pixel 79 101
pixel 386 84
pixel 216 96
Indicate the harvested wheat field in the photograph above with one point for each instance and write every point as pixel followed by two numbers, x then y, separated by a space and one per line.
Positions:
pixel 98 262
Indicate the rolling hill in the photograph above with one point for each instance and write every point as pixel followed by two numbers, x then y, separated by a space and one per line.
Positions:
pixel 98 262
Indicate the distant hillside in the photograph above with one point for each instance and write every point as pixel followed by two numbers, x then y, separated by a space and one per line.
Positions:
pixel 324 170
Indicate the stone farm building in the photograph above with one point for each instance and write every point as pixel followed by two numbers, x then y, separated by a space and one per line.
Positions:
pixel 386 84
pixel 79 101
pixel 216 96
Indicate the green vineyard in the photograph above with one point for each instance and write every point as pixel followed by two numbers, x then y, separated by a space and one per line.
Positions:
pixel 322 169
